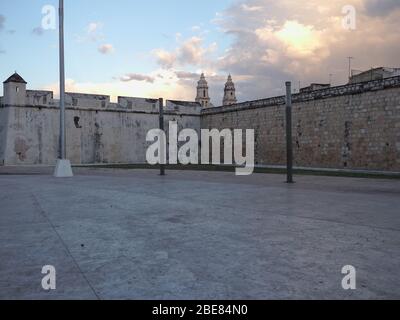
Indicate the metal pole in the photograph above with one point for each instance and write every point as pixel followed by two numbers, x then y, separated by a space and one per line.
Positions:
pixel 161 106
pixel 350 58
pixel 289 142
pixel 62 146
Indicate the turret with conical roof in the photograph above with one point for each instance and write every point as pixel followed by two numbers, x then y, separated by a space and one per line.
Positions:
pixel 14 89
pixel 202 92
pixel 229 93
pixel 16 78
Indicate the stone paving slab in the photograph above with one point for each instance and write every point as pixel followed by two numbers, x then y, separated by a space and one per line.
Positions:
pixel 131 234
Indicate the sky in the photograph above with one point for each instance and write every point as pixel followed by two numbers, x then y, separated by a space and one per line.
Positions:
pixel 159 48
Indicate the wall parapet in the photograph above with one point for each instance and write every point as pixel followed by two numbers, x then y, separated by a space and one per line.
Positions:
pixel 96 102
pixel 348 89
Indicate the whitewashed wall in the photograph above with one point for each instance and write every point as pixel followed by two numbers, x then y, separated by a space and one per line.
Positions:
pixel 97 131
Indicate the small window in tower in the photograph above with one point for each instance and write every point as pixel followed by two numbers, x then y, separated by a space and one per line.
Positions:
pixel 204 93
pixel 17 89
pixel 231 93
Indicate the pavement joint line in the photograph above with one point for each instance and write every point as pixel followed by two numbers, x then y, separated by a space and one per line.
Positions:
pixel 43 213
pixel 338 222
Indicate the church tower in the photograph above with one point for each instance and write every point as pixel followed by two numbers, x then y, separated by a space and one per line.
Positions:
pixel 202 92
pixel 229 93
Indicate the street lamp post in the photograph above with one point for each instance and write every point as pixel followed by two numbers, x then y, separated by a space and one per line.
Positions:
pixel 63 151
pixel 289 142
pixel 350 58
pixel 63 167
pixel 161 118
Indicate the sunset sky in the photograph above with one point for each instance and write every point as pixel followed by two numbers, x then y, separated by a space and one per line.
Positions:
pixel 158 48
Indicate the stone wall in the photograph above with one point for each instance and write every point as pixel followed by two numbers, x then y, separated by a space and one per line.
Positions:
pixel 354 126
pixel 97 131
pixel 3 134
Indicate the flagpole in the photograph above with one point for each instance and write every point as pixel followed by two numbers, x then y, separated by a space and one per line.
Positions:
pixel 63 167
pixel 62 83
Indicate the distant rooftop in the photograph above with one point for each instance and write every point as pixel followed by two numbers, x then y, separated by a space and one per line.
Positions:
pixel 15 78
pixel 314 87
pixel 185 103
pixel 379 73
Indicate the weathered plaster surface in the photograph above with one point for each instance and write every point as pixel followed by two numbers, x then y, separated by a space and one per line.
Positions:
pixel 354 126
pixel 3 133
pixel 97 131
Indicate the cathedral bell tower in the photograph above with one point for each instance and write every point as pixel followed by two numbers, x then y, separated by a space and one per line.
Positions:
pixel 229 93
pixel 202 92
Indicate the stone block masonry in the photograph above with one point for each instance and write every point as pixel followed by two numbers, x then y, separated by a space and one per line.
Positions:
pixel 355 126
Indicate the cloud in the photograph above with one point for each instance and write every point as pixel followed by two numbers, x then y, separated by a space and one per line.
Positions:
pixel 137 77
pixel 381 7
pixel 196 28
pixel 294 38
pixel 93 27
pixel 302 41
pixel 187 61
pixel 38 31
pixel 92 33
pixel 2 22
pixel 168 87
pixel 187 75
pixel 106 49
pixel 164 58
pixel 189 52
pixel 248 8
pixel 270 42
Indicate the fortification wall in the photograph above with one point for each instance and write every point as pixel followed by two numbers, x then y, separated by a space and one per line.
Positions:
pixel 97 131
pixel 355 126
pixel 3 133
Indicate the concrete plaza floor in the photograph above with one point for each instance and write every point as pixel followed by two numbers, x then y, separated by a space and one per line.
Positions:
pixel 131 234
